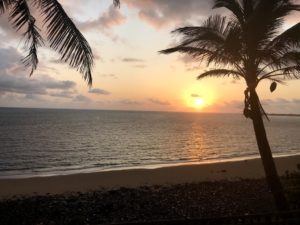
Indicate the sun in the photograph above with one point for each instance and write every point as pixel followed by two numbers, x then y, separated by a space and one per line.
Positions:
pixel 199 102
pixel 197 98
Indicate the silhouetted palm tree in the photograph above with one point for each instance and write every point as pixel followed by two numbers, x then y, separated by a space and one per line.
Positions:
pixel 249 45
pixel 62 33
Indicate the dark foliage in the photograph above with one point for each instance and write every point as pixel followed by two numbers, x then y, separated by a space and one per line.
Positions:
pixel 62 33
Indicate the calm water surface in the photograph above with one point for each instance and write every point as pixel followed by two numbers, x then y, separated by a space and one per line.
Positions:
pixel 51 141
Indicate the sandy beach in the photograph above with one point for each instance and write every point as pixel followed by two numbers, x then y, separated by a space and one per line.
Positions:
pixel 231 170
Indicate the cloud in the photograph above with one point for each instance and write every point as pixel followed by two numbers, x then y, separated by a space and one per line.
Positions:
pixel 32 97
pixel 166 13
pixel 99 91
pixel 81 98
pixel 131 60
pixel 267 102
pixel 54 84
pixel 134 60
pixel 279 105
pixel 195 96
pixel 129 102
pixel 191 63
pixel 158 102
pixel 107 20
pixel 63 94
pixel 234 104
pixel 169 13
pixel 114 76
pixel 14 80
pixel 140 66
pixel 7 29
pixel 187 59
pixel 22 85
pixel 193 68
pixel 296 101
pixel 9 57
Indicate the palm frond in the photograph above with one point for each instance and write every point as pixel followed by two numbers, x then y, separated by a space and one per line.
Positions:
pixel 197 53
pixel 275 62
pixel 5 4
pixel 248 8
pixel 277 80
pixel 230 51
pixel 199 36
pixel 233 6
pixel 221 73
pixel 66 38
pixel 291 58
pixel 217 24
pixel 217 40
pixel 286 40
pixel 290 72
pixel 20 16
pixel 265 21
pixel 210 34
pixel 116 3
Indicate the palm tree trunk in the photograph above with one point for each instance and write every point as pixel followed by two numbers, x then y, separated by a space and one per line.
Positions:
pixel 266 154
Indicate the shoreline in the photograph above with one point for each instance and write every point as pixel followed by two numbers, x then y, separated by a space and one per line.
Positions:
pixel 35 174
pixel 167 175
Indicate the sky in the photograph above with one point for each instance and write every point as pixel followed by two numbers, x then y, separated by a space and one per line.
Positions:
pixel 129 73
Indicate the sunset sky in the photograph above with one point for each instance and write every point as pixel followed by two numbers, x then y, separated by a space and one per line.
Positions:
pixel 129 74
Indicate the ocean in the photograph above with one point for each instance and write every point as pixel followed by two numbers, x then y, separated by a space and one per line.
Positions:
pixel 43 142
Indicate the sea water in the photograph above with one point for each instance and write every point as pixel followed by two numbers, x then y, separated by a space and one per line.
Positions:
pixel 41 142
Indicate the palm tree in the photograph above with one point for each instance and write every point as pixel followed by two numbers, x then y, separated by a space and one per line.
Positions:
pixel 62 33
pixel 249 45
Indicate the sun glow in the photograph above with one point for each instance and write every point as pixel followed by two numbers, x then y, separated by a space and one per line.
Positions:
pixel 199 102
pixel 198 98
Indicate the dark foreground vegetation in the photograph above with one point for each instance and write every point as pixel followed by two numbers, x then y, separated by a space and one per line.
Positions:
pixel 144 204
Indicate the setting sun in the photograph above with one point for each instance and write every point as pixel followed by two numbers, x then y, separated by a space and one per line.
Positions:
pixel 199 102
pixel 198 97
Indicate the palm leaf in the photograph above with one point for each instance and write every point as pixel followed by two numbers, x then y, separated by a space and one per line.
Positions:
pixel 20 16
pixel 265 21
pixel 287 59
pixel 221 73
pixel 230 51
pixel 233 6
pixel 5 4
pixel 290 72
pixel 248 8
pixel 66 38
pixel 212 33
pixel 188 50
pixel 287 40
pixel 216 40
pixel 116 3
pixel 199 36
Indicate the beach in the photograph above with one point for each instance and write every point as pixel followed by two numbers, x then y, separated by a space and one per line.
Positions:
pixel 178 192
pixel 132 178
